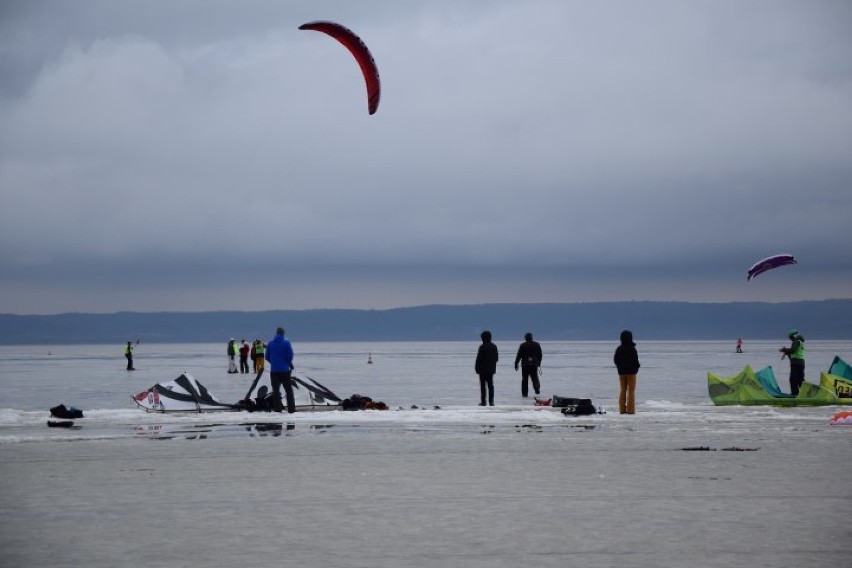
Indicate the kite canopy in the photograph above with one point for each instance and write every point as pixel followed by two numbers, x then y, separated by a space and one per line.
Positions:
pixel 750 388
pixel 184 394
pixel 362 55
pixel 769 263
pixel 308 394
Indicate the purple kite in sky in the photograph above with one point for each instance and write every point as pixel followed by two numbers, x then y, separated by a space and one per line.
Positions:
pixel 769 263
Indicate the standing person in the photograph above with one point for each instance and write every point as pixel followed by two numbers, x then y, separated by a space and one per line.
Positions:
pixel 259 355
pixel 739 345
pixel 626 361
pixel 128 354
pixel 529 356
pixel 244 353
pixel 253 356
pixel 279 353
pixel 796 353
pixel 486 367
pixel 232 353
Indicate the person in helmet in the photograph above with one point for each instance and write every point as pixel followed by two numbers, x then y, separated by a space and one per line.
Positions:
pixel 529 357
pixel 796 353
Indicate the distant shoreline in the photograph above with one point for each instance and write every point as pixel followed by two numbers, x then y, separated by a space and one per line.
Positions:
pixel 595 321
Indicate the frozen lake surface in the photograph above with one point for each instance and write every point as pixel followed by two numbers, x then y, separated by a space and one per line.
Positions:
pixel 671 391
pixel 681 483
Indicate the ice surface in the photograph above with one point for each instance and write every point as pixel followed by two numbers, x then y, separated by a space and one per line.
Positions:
pixel 436 378
pixel 681 483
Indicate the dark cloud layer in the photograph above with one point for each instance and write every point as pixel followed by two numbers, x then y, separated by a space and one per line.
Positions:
pixel 208 155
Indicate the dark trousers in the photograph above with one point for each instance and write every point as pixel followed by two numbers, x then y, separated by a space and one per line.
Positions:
pixel 279 379
pixel 528 373
pixel 244 364
pixel 129 362
pixel 486 385
pixel 797 374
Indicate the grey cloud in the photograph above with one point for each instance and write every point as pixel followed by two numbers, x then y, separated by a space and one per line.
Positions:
pixel 163 142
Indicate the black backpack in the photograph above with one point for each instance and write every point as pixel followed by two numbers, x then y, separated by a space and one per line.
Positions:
pixel 583 409
pixel 65 413
pixel 574 406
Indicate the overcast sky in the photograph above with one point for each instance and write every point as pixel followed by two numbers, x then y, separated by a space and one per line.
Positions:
pixel 208 155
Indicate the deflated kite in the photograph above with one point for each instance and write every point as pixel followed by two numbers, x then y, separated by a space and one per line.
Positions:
pixel 362 55
pixel 769 263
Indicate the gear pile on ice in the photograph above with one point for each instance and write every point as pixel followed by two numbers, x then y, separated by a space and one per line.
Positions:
pixel 361 402
pixel 187 394
pixel 62 417
pixel 574 406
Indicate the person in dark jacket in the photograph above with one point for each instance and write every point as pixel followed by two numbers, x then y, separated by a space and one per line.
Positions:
pixel 486 367
pixel 529 357
pixel 626 361
pixel 279 353
pixel 796 353
pixel 244 354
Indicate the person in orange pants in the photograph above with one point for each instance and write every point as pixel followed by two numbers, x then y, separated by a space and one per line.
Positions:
pixel 626 361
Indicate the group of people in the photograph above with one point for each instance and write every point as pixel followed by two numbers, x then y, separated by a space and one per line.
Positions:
pixel 279 353
pixel 244 352
pixel 528 360
pixel 626 360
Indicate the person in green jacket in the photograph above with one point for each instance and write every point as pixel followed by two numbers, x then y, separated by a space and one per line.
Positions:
pixel 796 353
pixel 232 355
pixel 259 355
pixel 128 354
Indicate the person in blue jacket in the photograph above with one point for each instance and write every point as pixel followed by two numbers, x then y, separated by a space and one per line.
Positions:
pixel 279 353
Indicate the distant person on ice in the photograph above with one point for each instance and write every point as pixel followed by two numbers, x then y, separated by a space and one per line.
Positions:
pixel 259 355
pixel 244 353
pixel 232 353
pixel 529 356
pixel 128 354
pixel 626 361
pixel 279 353
pixel 486 367
pixel 796 353
pixel 739 345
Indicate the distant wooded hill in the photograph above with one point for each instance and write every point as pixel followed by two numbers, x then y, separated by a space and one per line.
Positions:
pixel 828 319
